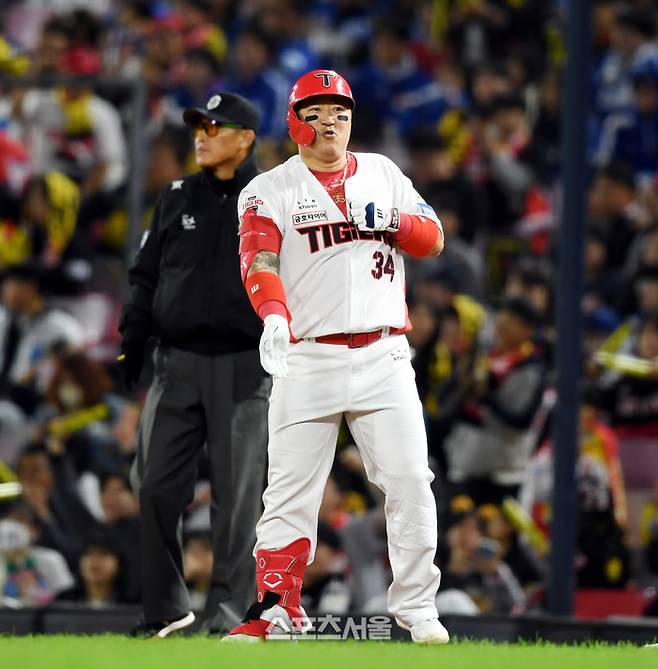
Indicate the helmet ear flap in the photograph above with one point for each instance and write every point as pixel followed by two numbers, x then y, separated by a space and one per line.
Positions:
pixel 300 132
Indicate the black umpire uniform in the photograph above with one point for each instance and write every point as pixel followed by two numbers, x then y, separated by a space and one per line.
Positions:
pixel 208 386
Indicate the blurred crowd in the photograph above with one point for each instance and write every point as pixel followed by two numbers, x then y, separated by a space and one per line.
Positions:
pixel 465 95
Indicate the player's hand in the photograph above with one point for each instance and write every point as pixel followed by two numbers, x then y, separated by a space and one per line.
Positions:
pixel 368 216
pixel 274 344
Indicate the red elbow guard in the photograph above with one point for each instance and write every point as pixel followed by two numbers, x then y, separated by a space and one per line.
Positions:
pixel 421 235
pixel 264 287
pixel 257 233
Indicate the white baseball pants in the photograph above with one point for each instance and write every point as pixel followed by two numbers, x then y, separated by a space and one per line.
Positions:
pixel 374 387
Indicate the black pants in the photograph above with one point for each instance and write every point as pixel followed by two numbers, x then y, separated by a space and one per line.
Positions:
pixel 193 400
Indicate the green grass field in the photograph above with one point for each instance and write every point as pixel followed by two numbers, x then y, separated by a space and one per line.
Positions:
pixel 116 652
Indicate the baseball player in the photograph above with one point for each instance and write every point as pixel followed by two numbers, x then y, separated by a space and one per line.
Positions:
pixel 321 242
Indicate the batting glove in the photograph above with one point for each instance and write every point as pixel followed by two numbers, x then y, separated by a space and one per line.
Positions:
pixel 369 217
pixel 274 344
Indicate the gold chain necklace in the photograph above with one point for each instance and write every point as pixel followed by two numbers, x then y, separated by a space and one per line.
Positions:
pixel 338 196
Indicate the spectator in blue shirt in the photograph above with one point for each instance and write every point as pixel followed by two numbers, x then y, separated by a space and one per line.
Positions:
pixel 630 40
pixel 393 87
pixel 636 141
pixel 202 70
pixel 284 22
pixel 251 76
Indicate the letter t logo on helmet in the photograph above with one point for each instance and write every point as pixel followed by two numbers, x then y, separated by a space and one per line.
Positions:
pixel 326 78
pixel 316 82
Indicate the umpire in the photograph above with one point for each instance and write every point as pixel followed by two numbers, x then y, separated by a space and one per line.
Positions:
pixel 208 386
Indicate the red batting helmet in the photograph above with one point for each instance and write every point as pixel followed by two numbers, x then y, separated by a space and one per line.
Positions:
pixel 316 82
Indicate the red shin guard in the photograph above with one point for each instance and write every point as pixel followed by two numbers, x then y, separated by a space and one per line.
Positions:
pixel 282 571
pixel 279 577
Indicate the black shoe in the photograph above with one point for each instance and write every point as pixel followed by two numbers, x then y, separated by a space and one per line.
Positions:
pixel 162 628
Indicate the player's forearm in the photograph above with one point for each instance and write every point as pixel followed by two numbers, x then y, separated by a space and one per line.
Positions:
pixel 264 261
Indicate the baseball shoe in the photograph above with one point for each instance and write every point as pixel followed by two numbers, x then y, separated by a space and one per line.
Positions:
pixel 162 628
pixel 429 632
pixel 264 621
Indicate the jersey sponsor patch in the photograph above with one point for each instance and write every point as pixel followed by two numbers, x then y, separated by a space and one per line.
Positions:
pixel 309 217
pixel 252 202
pixel 425 208
pixel 307 204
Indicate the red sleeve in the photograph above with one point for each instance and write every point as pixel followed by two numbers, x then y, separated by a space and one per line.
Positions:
pixel 264 288
pixel 417 235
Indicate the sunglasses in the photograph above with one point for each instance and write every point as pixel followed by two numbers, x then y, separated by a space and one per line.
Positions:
pixel 211 128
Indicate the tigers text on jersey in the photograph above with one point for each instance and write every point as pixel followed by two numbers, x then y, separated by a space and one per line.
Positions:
pixel 337 278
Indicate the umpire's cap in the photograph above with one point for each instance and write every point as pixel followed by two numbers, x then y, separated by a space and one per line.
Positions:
pixel 226 107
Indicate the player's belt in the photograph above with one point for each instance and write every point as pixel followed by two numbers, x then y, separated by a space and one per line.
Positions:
pixel 357 339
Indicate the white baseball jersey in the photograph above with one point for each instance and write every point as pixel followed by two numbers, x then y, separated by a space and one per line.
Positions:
pixel 337 278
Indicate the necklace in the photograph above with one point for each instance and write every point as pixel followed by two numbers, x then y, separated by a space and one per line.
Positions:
pixel 337 196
